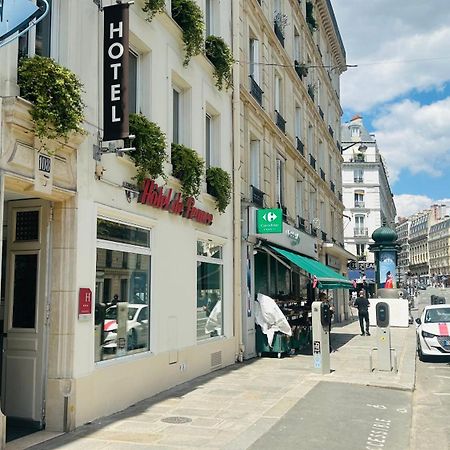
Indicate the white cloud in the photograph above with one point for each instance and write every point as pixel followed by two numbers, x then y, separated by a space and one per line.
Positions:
pixel 415 137
pixel 387 32
pixel 408 204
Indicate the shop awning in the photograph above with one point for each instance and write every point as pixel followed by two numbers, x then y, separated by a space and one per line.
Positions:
pixel 327 278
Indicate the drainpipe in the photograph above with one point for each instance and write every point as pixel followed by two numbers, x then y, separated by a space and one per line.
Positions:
pixel 237 279
pixel 2 202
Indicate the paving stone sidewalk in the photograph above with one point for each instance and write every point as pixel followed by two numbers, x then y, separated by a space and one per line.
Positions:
pixel 232 407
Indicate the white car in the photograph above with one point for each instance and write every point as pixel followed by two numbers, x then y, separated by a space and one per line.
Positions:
pixel 433 331
pixel 137 327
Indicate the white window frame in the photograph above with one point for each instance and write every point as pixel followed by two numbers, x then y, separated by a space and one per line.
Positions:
pixel 298 122
pixel 279 187
pixel 255 163
pixel 254 59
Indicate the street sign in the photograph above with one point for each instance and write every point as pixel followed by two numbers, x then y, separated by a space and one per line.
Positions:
pixel 269 221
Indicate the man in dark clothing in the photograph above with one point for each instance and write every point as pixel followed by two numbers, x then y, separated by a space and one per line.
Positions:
pixel 363 312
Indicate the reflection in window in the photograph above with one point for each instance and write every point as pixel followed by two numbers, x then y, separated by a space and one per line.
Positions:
pixel 122 294
pixel 209 290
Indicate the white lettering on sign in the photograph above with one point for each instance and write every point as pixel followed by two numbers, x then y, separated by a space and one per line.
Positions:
pixel 112 47
pixel 45 164
pixel 113 30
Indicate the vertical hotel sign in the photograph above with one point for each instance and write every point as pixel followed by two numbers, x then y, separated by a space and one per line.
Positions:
pixel 115 72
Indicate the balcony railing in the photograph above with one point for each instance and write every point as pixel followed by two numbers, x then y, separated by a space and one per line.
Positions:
pixel 324 236
pixel 359 204
pixel 257 197
pixel 301 69
pixel 312 161
pixel 338 146
pixel 278 32
pixel 322 174
pixel 358 180
pixel 283 210
pixel 340 196
pixel 311 91
pixel 301 225
pixel 300 146
pixel 255 90
pixel 281 123
pixel 321 112
pixel 361 257
pixel 360 231
pixel 330 130
pixel 332 187
pixel 313 230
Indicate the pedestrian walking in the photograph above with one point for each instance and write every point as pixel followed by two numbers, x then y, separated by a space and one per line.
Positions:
pixel 362 303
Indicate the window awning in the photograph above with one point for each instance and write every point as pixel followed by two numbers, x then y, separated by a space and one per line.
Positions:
pixel 327 278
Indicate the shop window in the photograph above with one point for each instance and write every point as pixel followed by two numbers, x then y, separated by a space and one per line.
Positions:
pixel 122 301
pixel 209 290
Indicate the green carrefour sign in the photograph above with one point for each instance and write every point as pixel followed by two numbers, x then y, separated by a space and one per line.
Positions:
pixel 269 221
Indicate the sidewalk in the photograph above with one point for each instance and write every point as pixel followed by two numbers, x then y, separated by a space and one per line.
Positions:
pixel 231 408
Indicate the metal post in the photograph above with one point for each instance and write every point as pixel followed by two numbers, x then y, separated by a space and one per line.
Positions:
pixel 321 339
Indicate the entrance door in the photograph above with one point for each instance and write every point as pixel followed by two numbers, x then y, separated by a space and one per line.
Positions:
pixel 25 344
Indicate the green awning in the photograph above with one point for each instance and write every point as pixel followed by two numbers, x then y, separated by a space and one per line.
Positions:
pixel 327 278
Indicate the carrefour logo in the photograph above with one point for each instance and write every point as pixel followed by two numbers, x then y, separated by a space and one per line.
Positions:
pixel 270 216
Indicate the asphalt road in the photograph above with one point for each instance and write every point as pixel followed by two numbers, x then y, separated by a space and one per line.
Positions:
pixel 431 399
pixel 340 416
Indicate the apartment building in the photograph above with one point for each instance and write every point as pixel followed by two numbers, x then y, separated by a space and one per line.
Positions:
pixel 402 230
pixel 368 199
pixel 439 252
pixel 291 57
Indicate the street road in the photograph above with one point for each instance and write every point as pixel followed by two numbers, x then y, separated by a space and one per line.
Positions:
pixel 431 399
pixel 341 416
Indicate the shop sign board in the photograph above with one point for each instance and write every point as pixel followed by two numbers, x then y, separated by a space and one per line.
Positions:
pixel 84 302
pixel 269 221
pixel 115 72
pixel 154 195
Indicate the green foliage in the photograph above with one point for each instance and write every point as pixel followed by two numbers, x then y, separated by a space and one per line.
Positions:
pixel 150 143
pixel 188 167
pixel 218 52
pixel 219 185
pixel 302 69
pixel 153 7
pixel 310 20
pixel 188 15
pixel 55 92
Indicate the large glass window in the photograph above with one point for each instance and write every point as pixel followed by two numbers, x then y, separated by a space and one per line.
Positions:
pixel 122 290
pixel 209 290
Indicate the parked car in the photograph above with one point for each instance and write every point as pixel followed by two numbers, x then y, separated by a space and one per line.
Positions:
pixel 433 331
pixel 137 327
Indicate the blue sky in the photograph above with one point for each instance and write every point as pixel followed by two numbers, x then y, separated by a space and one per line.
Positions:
pixel 401 87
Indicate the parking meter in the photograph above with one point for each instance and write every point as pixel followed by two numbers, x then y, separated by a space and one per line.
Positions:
pixel 321 319
pixel 383 337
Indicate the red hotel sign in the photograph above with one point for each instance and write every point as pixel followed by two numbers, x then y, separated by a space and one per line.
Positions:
pixel 153 195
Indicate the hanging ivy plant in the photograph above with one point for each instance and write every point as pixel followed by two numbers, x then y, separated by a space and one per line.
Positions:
pixel 218 52
pixel 310 20
pixel 150 144
pixel 187 166
pixel 219 185
pixel 55 93
pixel 153 7
pixel 188 15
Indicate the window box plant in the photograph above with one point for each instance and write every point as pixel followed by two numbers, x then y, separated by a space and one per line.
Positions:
pixel 150 144
pixel 188 167
pixel 55 93
pixel 219 185
pixel 218 52
pixel 153 7
pixel 188 15
pixel 310 20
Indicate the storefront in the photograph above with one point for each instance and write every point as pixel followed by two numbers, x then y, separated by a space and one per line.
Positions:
pixel 284 266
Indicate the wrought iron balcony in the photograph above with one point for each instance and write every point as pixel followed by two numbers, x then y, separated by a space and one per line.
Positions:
pixel 311 91
pixel 281 123
pixel 358 180
pixel 361 257
pixel 301 69
pixel 330 130
pixel 278 32
pixel 300 146
pixel 359 204
pixel 340 196
pixel 257 197
pixel 324 236
pixel 255 90
pixel 312 161
pixel 322 174
pixel 321 113
pixel 360 232
pixel 332 186
pixel 313 230
pixel 339 147
pixel 301 223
